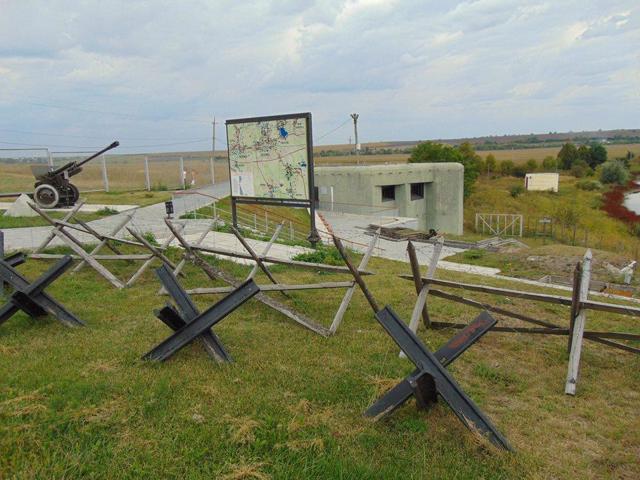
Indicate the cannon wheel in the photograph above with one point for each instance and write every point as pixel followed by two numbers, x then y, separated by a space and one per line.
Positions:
pixel 76 193
pixel 46 196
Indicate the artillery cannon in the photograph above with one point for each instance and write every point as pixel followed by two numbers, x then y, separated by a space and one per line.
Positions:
pixel 53 188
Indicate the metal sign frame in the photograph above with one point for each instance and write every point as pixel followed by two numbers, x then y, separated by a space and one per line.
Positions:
pixel 282 202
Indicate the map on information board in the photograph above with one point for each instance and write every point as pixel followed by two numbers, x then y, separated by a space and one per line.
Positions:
pixel 269 157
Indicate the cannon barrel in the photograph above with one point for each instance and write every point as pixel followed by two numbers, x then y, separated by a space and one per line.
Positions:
pixel 75 166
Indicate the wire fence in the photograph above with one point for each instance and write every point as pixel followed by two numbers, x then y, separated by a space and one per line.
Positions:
pixel 263 223
pixel 115 172
pixel 568 233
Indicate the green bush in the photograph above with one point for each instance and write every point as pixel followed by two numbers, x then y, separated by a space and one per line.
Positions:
pixel 106 211
pixel 614 172
pixel 519 171
pixel 473 254
pixel 516 191
pixel 151 238
pixel 588 184
pixel 322 254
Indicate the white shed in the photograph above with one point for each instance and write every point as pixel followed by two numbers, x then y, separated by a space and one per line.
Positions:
pixel 541 182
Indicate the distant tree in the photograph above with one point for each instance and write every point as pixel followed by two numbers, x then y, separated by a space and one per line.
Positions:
pixel 567 155
pixel 549 164
pixel 614 172
pixel 580 169
pixel 519 171
pixel 531 165
pixel 430 152
pixel 506 167
pixel 584 154
pixel 427 152
pixel 597 155
pixel 490 163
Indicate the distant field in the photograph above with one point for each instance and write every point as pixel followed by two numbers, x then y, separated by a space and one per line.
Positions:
pixel 126 172
pixel 362 159
pixel 538 154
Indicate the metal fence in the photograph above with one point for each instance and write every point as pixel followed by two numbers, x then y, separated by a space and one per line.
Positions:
pixel 554 230
pixel 115 172
pixel 501 224
pixel 262 223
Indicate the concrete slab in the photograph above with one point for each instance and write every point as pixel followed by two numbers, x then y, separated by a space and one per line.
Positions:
pixel 352 228
pixel 20 208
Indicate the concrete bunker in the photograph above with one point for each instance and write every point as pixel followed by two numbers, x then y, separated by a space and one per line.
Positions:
pixel 430 192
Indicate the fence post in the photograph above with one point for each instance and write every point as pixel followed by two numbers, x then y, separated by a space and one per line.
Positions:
pixel 182 175
pixel 476 229
pixel 578 327
pixel 215 213
pixel 105 176
pixel 147 178
pixel 521 224
pixel 266 222
pixel 255 222
pixel 291 233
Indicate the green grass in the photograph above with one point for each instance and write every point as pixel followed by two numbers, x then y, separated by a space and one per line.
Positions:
pixel 258 219
pixel 112 198
pixel 594 226
pixel 80 402
pixel 535 263
pixel 38 221
pixel 141 198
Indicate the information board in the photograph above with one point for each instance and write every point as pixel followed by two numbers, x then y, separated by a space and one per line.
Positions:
pixel 270 157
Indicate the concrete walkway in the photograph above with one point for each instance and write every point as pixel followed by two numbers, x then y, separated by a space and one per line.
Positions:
pixel 145 219
pixel 228 241
pixel 352 228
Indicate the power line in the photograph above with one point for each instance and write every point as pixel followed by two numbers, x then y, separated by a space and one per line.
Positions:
pixel 169 144
pixel 85 147
pixel 64 135
pixel 105 112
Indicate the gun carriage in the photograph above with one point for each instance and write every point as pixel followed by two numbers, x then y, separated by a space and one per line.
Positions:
pixel 53 188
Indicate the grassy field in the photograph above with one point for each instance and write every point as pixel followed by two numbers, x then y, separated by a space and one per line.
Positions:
pixel 263 218
pixel 140 198
pixel 110 198
pixel 538 154
pixel 539 261
pixel 19 222
pixel 80 402
pixel 126 172
pixel 594 226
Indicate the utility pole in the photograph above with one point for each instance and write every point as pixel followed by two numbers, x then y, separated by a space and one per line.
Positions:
pixel 355 131
pixel 213 152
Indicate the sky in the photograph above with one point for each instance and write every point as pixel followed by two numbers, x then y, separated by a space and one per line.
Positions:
pixel 153 74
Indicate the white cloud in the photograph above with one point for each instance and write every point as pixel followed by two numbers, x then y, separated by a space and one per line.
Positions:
pixel 412 68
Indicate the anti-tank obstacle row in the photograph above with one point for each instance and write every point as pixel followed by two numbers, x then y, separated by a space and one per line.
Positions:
pixel 196 251
pixel 66 231
pixel 575 332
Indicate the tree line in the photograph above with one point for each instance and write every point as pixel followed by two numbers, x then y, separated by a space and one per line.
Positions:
pixel 579 161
